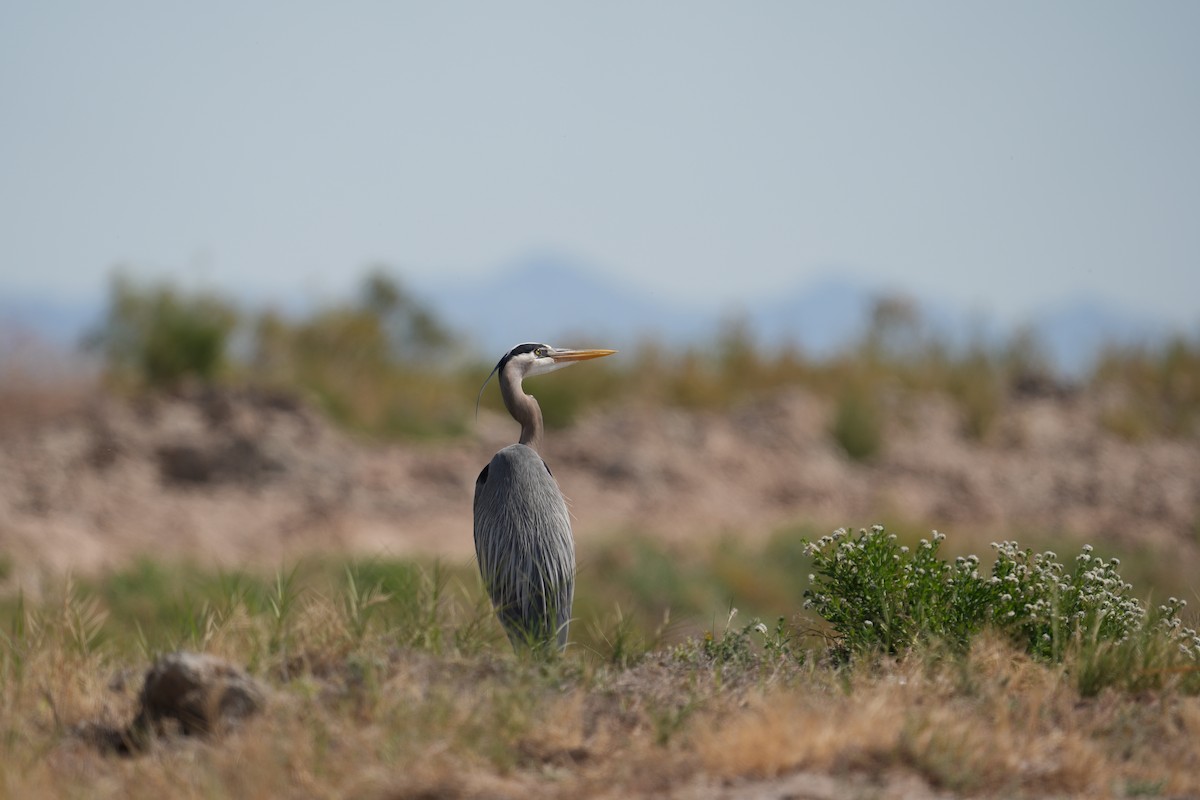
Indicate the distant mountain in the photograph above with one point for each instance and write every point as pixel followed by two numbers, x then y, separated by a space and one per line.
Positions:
pixel 59 323
pixel 1074 333
pixel 569 302
pixel 557 300
pixel 821 318
pixel 565 300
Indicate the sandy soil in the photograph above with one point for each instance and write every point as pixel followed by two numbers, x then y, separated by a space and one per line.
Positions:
pixel 250 478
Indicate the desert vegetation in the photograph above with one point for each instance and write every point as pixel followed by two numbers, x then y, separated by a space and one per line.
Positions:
pixel 908 675
pixel 728 640
pixel 385 365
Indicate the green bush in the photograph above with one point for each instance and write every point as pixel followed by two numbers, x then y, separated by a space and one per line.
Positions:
pixel 858 424
pixel 977 385
pixel 1156 391
pixel 156 336
pixel 377 365
pixel 879 595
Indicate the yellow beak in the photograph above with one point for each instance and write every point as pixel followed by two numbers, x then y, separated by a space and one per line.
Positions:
pixel 579 355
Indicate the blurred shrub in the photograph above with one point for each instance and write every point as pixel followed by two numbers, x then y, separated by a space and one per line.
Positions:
pixel 858 423
pixel 411 331
pixel 384 363
pixel 977 385
pixel 896 332
pixel 1155 391
pixel 157 336
pixel 377 365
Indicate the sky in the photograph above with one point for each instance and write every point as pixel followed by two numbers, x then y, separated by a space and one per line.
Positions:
pixel 997 156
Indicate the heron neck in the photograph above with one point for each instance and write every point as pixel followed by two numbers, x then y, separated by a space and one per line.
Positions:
pixel 523 407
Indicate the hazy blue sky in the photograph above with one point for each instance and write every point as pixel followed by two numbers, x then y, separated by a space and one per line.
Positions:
pixel 999 156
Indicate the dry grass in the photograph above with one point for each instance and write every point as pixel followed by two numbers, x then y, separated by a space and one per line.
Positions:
pixel 356 716
pixel 997 724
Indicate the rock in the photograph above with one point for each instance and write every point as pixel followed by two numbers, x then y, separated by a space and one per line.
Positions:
pixel 239 460
pixel 200 692
pixel 185 693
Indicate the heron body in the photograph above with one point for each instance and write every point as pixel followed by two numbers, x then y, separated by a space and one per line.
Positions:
pixel 524 546
pixel 523 536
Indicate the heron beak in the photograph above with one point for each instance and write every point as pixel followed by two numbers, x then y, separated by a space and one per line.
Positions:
pixel 578 355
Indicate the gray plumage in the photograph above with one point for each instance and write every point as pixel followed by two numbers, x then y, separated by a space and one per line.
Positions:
pixel 524 545
pixel 522 527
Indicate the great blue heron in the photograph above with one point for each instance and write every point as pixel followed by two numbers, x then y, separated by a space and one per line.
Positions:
pixel 522 527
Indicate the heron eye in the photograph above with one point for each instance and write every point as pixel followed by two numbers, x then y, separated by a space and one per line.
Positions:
pixel 540 352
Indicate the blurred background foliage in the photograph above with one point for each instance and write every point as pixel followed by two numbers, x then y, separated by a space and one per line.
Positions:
pixel 384 364
pixel 155 336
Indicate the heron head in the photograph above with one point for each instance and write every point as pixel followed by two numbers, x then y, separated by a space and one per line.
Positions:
pixel 534 358
pixel 538 358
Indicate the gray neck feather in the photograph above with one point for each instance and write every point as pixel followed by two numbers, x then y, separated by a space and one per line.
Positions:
pixel 524 408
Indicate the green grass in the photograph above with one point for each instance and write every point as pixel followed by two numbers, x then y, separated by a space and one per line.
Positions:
pixel 670 592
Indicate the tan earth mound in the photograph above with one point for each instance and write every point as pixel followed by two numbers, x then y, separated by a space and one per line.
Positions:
pixel 236 478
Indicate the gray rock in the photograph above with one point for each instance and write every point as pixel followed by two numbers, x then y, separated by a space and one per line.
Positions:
pixel 184 693
pixel 199 692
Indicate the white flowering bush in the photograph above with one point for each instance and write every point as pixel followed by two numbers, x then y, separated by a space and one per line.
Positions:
pixel 1045 604
pixel 880 595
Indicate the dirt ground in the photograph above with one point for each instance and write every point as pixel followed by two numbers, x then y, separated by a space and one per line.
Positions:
pixel 242 478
